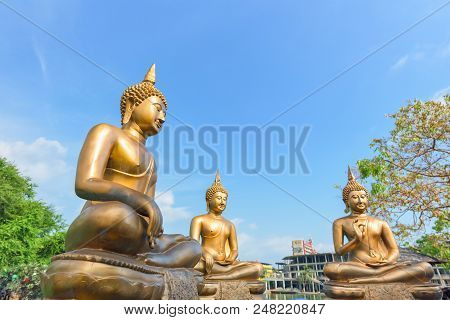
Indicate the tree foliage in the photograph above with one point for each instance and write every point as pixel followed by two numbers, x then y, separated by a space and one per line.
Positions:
pixel 30 230
pixel 306 275
pixel 410 174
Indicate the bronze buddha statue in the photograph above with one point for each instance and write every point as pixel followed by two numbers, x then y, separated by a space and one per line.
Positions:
pixel 120 221
pixel 117 176
pixel 220 246
pixel 372 249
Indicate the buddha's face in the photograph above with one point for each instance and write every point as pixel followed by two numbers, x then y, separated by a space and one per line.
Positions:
pixel 358 201
pixel 150 115
pixel 218 202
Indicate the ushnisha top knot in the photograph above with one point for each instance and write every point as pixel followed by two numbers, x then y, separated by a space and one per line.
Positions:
pixel 215 187
pixel 352 185
pixel 141 91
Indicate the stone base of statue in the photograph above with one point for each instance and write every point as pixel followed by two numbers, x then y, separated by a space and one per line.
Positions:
pixel 97 274
pixel 232 290
pixel 383 291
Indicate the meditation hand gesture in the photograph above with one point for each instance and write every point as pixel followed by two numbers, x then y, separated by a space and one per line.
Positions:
pixel 209 260
pixel 380 260
pixel 154 229
pixel 359 229
pixel 227 261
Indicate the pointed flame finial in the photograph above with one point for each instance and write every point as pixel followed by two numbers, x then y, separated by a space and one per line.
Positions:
pixel 215 187
pixel 151 75
pixel 352 185
pixel 217 180
pixel 350 174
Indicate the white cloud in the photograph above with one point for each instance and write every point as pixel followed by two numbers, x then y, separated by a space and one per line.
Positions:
pixel 439 95
pixel 42 62
pixel 170 213
pixel 244 239
pixel 271 249
pixel 265 249
pixel 324 247
pixel 400 63
pixel 406 59
pixel 237 221
pixel 253 226
pixel 444 51
pixel 40 160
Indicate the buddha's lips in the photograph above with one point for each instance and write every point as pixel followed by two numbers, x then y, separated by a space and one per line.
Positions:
pixel 158 124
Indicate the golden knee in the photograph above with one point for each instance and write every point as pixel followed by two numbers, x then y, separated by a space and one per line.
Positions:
pixel 428 271
pixel 259 270
pixel 331 270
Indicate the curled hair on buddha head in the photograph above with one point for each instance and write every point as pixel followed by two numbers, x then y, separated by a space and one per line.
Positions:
pixel 215 187
pixel 139 92
pixel 352 185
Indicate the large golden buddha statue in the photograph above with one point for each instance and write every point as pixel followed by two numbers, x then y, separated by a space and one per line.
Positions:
pixel 220 245
pixel 372 252
pixel 120 224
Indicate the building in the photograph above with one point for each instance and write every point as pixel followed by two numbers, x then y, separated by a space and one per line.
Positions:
pixel 304 273
pixel 301 247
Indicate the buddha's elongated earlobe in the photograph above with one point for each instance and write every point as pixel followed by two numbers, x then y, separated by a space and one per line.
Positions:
pixel 347 209
pixel 129 108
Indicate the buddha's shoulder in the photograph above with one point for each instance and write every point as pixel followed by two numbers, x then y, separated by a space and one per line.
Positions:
pixel 227 222
pixel 342 220
pixel 104 128
pixel 199 218
pixel 376 219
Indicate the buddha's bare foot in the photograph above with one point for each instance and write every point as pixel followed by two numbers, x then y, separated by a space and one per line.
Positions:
pixel 367 280
pixel 153 259
pixel 184 254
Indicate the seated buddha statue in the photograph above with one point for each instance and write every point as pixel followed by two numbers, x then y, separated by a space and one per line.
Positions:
pixel 116 174
pixel 372 249
pixel 116 248
pixel 219 241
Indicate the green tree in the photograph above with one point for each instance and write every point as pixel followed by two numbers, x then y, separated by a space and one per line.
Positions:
pixel 410 175
pixel 31 232
pixel 306 276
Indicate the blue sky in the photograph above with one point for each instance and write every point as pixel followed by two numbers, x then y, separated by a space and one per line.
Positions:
pixel 219 63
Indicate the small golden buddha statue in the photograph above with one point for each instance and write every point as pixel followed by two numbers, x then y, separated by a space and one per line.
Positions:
pixel 219 241
pixel 372 249
pixel 120 225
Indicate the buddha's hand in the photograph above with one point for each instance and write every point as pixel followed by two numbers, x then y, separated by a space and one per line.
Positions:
pixel 155 220
pixel 358 232
pixel 230 260
pixel 209 262
pixel 378 264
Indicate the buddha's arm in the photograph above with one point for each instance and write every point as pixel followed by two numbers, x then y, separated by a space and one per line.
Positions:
pixel 89 182
pixel 389 241
pixel 195 233
pixel 158 219
pixel 195 229
pixel 232 240
pixel 338 239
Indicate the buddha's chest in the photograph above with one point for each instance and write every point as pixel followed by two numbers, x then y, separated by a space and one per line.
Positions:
pixel 214 229
pixel 367 227
pixel 130 157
